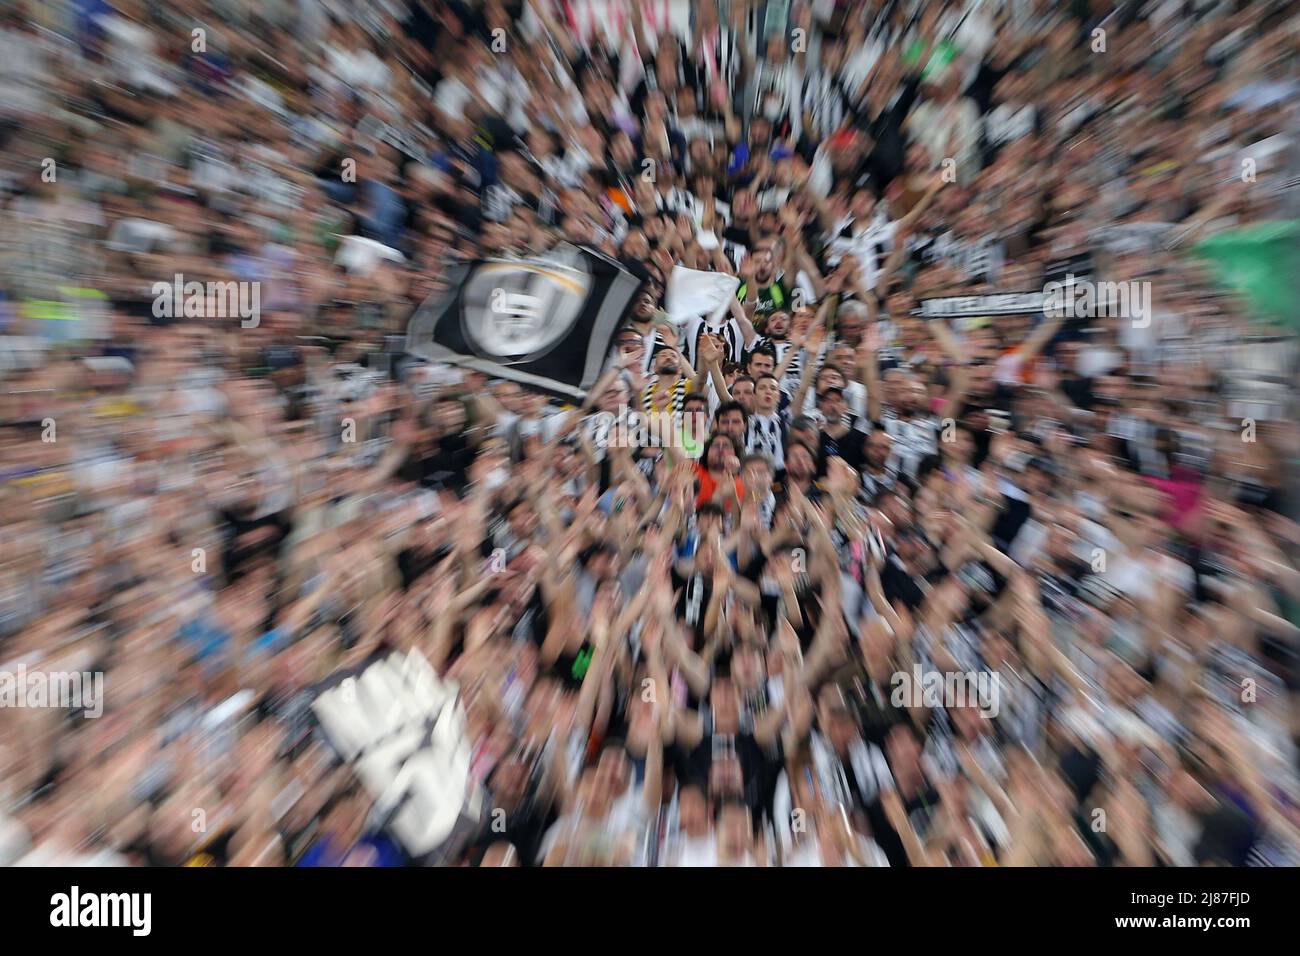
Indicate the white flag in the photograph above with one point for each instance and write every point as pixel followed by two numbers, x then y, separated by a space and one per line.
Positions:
pixel 692 294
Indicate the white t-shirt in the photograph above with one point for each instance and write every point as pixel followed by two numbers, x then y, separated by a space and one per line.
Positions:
pixel 693 851
pixel 808 854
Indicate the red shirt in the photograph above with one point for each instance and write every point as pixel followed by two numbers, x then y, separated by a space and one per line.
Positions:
pixel 708 486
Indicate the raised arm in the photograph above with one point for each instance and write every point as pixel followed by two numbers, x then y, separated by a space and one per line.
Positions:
pixel 869 370
pixel 558 34
pixel 747 332
pixel 812 352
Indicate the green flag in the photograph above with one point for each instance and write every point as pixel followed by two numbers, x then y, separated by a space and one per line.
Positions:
pixel 1262 263
pixel 939 57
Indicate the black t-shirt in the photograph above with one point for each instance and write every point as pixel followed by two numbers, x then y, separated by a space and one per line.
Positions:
pixel 851 447
pixel 746 748
pixel 239 529
pixel 1252 494
pixel 571 667
pixel 920 808
pixel 614 177
pixel 1227 834
pixel 1010 520
pixel 981 87
pixel 808 594
pixel 446 467
pixel 688 76
pixel 525 832
pixel 877 714
pixel 1001 397
pixel 738 234
pixel 885 161
pixel 525 827
pixel 759 768
pixel 533 621
pixel 898 585
pixel 412 563
pixel 1078 389
pixel 697 591
pixel 1082 769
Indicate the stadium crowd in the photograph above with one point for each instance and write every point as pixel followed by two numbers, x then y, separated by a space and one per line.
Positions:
pixel 667 655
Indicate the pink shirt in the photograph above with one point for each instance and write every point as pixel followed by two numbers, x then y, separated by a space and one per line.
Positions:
pixel 1183 490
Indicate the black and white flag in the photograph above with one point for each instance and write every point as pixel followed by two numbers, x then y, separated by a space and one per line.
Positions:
pixel 544 322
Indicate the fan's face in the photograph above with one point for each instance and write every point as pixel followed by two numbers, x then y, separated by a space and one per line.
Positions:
pixel 778 325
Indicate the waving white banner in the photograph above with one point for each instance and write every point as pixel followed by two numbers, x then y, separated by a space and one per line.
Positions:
pixel 403 728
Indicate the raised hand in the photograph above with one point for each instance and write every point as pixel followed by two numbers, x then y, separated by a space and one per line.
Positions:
pixel 815 339
pixel 710 351
pixel 841 479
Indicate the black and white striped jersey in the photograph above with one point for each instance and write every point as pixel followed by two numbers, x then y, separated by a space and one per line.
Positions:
pixel 790 380
pixel 765 435
pixel 730 331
